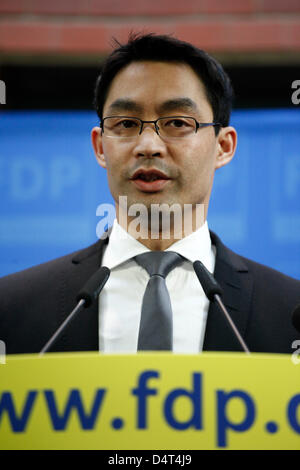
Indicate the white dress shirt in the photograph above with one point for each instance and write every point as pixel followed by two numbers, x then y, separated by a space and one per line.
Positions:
pixel 120 301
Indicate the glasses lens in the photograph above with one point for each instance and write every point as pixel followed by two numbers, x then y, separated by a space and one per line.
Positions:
pixel 121 126
pixel 176 126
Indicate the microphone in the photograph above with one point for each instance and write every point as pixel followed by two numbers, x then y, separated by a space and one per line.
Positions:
pixel 84 298
pixel 213 292
pixel 296 318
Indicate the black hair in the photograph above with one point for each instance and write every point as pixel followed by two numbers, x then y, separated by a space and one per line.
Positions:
pixel 152 47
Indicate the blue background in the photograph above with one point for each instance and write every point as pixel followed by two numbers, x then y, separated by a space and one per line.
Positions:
pixel 51 185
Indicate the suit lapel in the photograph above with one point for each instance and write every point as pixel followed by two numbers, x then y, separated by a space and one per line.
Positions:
pixel 83 333
pixel 233 276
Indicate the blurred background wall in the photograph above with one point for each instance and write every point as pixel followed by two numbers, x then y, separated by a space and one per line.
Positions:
pixel 50 184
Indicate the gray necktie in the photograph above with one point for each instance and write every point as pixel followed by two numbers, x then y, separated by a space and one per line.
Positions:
pixel 156 325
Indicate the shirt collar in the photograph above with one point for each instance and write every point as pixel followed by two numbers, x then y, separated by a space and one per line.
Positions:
pixel 196 246
pixel 122 247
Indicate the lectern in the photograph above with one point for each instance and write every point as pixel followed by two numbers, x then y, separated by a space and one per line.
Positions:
pixel 150 401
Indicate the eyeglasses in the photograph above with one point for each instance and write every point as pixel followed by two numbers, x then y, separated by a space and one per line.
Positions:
pixel 170 127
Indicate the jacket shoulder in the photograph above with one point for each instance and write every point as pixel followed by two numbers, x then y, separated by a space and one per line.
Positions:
pixel 260 271
pixel 35 301
pixel 50 268
pixel 264 297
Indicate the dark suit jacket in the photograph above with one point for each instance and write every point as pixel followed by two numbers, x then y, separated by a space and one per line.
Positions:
pixel 34 302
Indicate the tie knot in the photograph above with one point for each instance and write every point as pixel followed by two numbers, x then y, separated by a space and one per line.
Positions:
pixel 159 262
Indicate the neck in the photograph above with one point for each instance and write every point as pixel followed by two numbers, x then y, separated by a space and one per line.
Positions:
pixel 160 233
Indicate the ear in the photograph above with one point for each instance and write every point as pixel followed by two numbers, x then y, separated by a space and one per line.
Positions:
pixel 227 142
pixel 96 136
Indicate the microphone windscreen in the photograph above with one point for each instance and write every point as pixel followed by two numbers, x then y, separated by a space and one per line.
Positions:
pixel 207 281
pixel 93 286
pixel 296 318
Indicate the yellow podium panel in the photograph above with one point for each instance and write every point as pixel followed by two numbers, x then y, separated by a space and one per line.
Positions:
pixel 150 401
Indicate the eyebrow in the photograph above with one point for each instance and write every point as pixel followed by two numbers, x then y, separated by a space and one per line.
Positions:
pixel 126 104
pixel 182 104
pixel 123 105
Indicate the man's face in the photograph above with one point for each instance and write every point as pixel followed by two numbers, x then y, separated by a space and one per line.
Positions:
pixel 150 90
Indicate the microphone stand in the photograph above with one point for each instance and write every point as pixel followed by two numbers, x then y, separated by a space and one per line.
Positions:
pixel 213 291
pixel 54 337
pixel 229 319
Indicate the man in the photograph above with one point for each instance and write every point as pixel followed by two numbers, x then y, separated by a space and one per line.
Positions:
pixel 164 108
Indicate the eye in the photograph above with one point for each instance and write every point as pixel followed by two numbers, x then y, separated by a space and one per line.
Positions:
pixel 177 122
pixel 127 123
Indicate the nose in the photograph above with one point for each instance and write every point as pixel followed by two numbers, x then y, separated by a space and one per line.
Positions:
pixel 148 143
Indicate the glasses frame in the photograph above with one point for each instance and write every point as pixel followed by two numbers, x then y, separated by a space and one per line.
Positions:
pixel 198 125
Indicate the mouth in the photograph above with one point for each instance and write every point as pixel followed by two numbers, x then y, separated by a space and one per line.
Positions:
pixel 150 180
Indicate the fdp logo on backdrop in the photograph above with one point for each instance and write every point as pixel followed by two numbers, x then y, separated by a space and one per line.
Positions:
pixel 285 188
pixel 45 178
pixel 228 214
pixel 38 194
